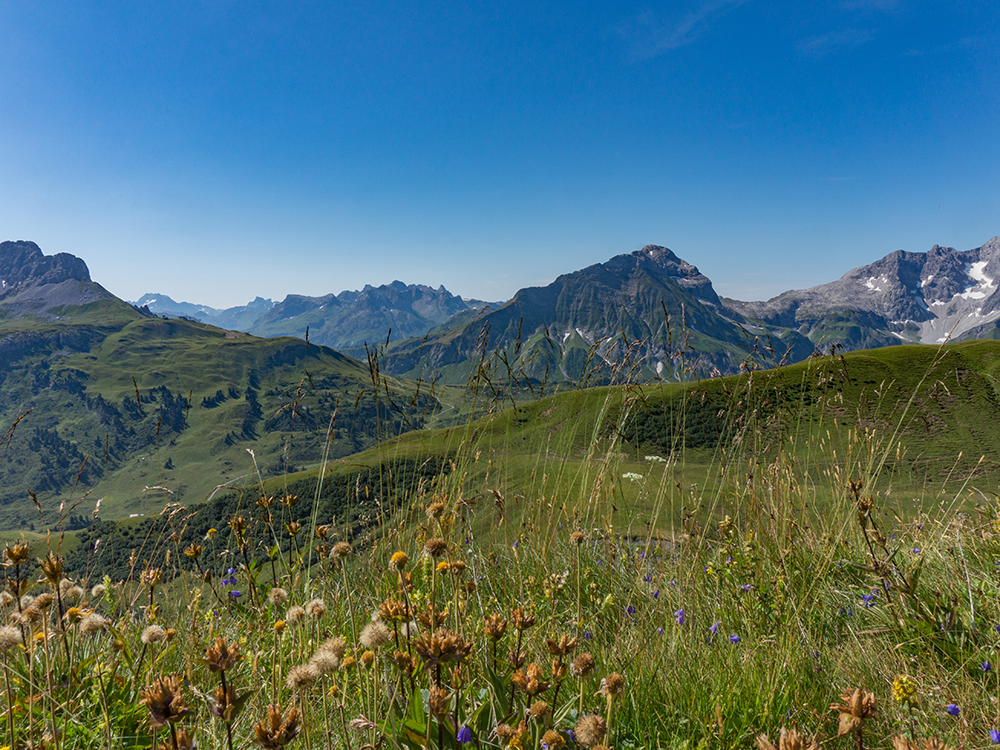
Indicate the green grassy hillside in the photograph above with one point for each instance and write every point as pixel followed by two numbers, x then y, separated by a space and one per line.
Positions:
pixel 138 411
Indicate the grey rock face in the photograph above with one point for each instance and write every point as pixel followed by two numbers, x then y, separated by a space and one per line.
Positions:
pixel 23 265
pixel 943 294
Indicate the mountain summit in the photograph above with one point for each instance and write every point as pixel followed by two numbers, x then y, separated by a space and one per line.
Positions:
pixel 33 283
pixel 943 294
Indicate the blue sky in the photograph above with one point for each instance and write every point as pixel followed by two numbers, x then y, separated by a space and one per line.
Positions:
pixel 215 150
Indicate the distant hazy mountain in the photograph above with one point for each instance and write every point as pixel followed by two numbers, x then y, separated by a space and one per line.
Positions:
pixel 235 318
pixel 944 294
pixel 350 319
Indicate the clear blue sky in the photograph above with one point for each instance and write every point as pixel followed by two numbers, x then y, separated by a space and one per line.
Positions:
pixel 215 150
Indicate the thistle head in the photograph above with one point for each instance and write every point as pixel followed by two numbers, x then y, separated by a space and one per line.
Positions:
pixel 222 656
pixel 164 700
pixel 276 731
pixel 52 568
pixel 17 554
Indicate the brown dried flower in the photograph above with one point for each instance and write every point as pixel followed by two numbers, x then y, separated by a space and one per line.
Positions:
pixel 222 656
pixel 857 706
pixel 276 731
pixel 164 700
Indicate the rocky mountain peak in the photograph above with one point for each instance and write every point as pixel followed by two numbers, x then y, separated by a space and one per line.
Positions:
pixel 22 265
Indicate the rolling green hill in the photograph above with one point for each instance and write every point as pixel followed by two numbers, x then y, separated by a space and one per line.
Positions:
pixel 138 411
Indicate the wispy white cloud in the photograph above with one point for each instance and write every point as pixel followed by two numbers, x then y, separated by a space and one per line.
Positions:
pixel 649 34
pixel 835 40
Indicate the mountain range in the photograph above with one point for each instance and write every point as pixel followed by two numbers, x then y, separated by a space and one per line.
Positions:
pixel 650 304
pixel 98 395
pixel 346 321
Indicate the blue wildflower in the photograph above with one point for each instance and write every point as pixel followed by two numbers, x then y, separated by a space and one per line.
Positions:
pixel 868 603
pixel 714 627
pixel 659 631
pixel 734 638
pixel 995 736
pixel 953 709
pixel 464 734
pixel 679 614
pixel 630 610
pixel 656 594
pixel 235 594
pixel 986 666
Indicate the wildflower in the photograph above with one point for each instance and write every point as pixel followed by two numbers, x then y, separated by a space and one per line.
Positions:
pixel 438 700
pixel 577 538
pixel 152 577
pixel 153 634
pixel 679 616
pixel 552 740
pixel 277 596
pixel 789 739
pixel 582 665
pixel 903 688
pixel 279 626
pixel 867 602
pixel 341 549
pixel 9 637
pixel 398 561
pixel 985 666
pixel 210 534
pixel 995 736
pixel 539 710
pixel 335 645
pixel 367 658
pixel 52 568
pixel 325 661
pixel 164 700
pixel 565 645
pixel 714 627
pixel 276 731
pixel 952 709
pixel 316 608
pixel 443 566
pixel 193 551
pixel 858 705
pixel 746 587
pixel 222 655
pixel 301 677
pixel 234 594
pixel 374 634
pixel 612 686
pixel 436 547
pixel 18 554
pixel 464 734
pixel 590 730
pixel 530 680
pixel 295 615
pixel 734 638
pixel 43 601
pixel 441 646
pixel 522 619
pixel 659 631
pixel 494 627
